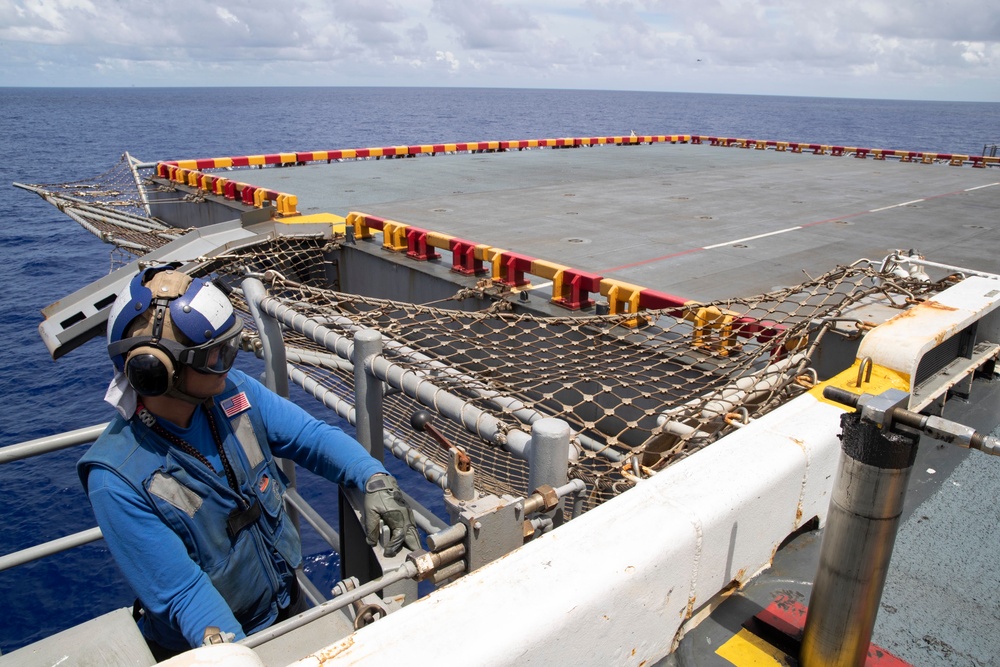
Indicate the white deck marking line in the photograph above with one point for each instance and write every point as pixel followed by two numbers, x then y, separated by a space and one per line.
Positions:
pixel 751 238
pixel 790 229
pixel 980 187
pixel 905 203
pixel 538 286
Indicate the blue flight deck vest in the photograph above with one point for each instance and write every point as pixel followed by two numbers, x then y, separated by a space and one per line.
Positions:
pixel 252 568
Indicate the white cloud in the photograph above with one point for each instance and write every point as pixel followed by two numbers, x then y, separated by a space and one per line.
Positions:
pixel 448 58
pixel 487 24
pixel 979 54
pixel 846 48
pixel 228 17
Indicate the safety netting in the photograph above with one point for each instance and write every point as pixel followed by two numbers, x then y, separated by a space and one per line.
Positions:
pixel 112 207
pixel 640 391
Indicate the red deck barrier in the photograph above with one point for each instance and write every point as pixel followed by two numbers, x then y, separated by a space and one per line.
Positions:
pixel 510 267
pixel 464 259
pixel 416 245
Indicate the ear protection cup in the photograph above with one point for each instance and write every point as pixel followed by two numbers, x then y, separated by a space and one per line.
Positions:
pixel 150 370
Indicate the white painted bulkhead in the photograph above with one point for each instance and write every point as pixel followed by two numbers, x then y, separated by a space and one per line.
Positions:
pixel 615 585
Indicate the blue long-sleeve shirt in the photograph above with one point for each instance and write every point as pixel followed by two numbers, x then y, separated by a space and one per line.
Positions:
pixel 163 512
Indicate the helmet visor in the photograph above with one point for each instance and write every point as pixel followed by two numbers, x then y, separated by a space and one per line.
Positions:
pixel 216 356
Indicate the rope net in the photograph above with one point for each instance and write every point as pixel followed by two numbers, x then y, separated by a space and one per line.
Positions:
pixel 111 206
pixel 640 391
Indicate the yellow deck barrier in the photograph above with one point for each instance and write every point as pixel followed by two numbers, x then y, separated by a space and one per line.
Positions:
pixel 623 298
pixel 394 236
pixel 713 329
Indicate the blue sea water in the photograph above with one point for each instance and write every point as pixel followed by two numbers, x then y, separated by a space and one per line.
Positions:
pixel 56 135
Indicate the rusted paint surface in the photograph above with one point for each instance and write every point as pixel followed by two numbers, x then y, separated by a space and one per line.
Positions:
pixel 335 651
pixel 916 310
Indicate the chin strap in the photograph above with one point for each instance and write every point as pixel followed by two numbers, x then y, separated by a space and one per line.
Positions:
pixel 174 392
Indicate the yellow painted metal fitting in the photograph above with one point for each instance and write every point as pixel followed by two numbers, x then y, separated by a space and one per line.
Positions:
pixel 187 164
pixel 192 178
pixel 781 146
pixel 394 236
pixel 439 240
pixel 550 271
pixel 287 158
pixel 546 269
pixel 713 329
pixel 360 224
pixel 795 344
pixel 863 377
pixel 349 154
pixel 493 256
pixel 336 222
pixel 256 160
pixel 258 198
pixel 928 158
pixel 761 145
pixel 958 160
pixel 623 298
pixel 288 205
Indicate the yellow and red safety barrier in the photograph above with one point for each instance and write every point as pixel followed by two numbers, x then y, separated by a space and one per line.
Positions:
pixel 954 159
pixel 714 330
pixel 245 193
pixel 191 172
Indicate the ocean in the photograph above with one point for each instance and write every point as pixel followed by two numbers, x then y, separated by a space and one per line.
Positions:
pixel 61 135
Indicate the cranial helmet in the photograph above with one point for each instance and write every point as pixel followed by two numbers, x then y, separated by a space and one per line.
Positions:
pixel 165 319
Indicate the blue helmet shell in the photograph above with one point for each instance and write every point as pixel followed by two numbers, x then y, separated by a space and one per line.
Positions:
pixel 201 313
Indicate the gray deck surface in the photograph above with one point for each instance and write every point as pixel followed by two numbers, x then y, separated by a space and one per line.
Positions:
pixel 650 215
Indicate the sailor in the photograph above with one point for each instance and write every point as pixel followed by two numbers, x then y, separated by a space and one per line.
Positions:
pixel 184 483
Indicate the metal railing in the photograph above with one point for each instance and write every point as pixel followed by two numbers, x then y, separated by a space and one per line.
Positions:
pixel 38 447
pixel 547 460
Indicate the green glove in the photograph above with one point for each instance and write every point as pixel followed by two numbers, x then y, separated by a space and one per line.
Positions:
pixel 384 500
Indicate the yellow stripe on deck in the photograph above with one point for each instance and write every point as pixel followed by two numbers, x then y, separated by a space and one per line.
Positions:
pixel 337 222
pixel 746 649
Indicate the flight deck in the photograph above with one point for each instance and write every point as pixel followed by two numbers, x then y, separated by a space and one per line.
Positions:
pixel 699 221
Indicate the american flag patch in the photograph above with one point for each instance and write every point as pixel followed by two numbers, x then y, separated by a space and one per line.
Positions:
pixel 234 405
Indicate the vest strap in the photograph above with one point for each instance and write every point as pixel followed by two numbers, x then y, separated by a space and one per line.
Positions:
pixel 240 519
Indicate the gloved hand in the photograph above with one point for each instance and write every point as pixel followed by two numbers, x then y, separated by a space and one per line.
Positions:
pixel 384 500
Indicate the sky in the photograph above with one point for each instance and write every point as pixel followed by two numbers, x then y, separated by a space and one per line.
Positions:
pixel 896 49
